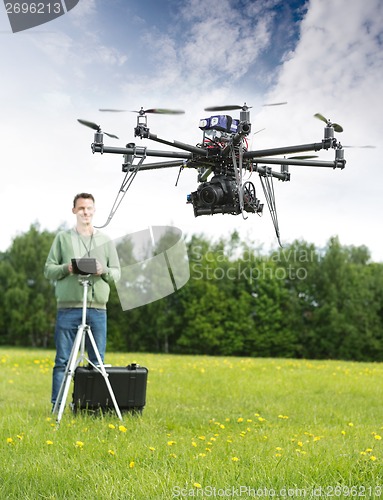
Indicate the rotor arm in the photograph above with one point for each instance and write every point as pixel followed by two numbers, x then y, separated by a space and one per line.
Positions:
pixel 178 144
pixel 316 146
pixel 337 163
pixel 100 148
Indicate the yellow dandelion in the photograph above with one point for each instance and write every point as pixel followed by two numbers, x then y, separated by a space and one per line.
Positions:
pixel 173 455
pixel 194 444
pixel 112 452
pixel 343 433
pixel 373 458
pixel 368 450
pixel 363 453
pixel 151 448
pixel 221 426
pixel 202 454
pixel 234 459
pixel 278 455
pixel 300 443
pixel 131 464
pixel 378 437
pixel 111 426
pixel 122 428
pixel 202 438
pixel 197 485
pixel 170 443
pixel 239 420
pixel 261 419
pixel 48 442
pixel 79 444
pixel 9 440
pixel 350 424
pixel 20 437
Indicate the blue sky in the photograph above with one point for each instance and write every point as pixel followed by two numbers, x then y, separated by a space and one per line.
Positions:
pixel 319 56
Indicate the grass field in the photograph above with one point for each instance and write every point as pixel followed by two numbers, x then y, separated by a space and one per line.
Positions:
pixel 212 428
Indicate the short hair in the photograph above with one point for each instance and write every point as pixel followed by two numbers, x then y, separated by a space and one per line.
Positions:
pixel 82 195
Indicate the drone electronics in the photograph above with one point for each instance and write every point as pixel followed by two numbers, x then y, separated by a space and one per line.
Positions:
pixel 222 159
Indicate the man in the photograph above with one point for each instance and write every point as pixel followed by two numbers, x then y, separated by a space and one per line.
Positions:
pixel 82 241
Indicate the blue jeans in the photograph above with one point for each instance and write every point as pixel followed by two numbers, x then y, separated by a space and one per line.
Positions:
pixel 67 322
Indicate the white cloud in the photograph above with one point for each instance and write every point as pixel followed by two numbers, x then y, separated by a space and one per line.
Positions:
pixel 334 70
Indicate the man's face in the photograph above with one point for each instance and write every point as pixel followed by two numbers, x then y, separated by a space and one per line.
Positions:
pixel 84 210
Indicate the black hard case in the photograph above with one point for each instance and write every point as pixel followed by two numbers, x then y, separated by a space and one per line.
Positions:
pixel 128 384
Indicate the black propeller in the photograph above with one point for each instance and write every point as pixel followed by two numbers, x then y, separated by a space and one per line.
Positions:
pixel 230 107
pixel 275 104
pixel 159 111
pixel 335 126
pixel 359 147
pixel 94 126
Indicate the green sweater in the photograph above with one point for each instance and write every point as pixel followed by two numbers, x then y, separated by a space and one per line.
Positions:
pixel 70 244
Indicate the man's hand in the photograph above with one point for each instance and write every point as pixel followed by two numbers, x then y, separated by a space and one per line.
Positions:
pixel 99 267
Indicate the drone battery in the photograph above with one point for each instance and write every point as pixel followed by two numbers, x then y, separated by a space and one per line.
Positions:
pixel 218 122
pixel 128 383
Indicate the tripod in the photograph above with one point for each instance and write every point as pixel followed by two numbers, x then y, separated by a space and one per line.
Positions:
pixel 77 356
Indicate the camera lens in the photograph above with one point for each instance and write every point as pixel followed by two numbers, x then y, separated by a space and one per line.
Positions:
pixel 211 195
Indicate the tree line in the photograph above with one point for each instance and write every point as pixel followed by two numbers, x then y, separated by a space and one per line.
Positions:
pixel 295 302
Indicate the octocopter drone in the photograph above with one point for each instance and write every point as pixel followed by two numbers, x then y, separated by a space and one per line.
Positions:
pixel 222 160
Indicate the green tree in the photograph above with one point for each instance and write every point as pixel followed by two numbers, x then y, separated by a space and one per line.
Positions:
pixel 28 298
pixel 345 317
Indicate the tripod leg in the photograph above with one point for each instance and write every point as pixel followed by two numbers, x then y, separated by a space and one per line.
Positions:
pixel 68 375
pixel 101 369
